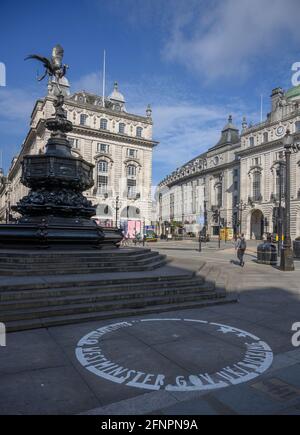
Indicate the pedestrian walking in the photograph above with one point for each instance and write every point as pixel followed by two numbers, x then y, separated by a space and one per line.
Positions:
pixel 241 246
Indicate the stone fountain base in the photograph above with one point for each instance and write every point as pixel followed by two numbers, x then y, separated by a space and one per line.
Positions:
pixel 55 233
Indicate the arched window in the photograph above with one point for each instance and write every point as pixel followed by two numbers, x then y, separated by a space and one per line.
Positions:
pixel 102 166
pixel 139 131
pixel 256 186
pixel 265 137
pixel 102 176
pixel 103 124
pixel 122 127
pixel 131 170
pixel 83 119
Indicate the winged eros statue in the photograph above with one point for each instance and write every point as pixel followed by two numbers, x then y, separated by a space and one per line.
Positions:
pixel 54 66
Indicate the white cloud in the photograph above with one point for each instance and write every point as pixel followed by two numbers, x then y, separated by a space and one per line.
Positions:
pixel 16 104
pixel 91 82
pixel 225 38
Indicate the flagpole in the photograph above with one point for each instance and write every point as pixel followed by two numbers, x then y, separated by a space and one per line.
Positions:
pixel 103 81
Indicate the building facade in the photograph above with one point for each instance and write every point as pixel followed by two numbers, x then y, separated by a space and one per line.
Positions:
pixel 242 177
pixel 118 143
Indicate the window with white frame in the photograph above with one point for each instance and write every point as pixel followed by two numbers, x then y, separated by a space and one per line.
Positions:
pixel 256 161
pixel 103 124
pixel 131 187
pixel 74 142
pixel 131 152
pixel 131 170
pixel 122 127
pixel 102 176
pixel 102 148
pixel 256 186
pixel 83 119
pixel 139 131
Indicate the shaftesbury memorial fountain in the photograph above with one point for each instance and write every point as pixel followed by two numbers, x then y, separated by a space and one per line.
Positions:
pixel 55 213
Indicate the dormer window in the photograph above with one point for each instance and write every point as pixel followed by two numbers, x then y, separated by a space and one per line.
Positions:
pixel 103 124
pixel 139 131
pixel 83 119
pixel 122 127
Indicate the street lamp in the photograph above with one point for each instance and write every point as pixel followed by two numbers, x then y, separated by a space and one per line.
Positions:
pixel 286 258
pixel 117 210
pixel 241 206
pixel 279 218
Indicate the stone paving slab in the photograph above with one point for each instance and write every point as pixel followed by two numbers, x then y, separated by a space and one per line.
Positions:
pixel 39 372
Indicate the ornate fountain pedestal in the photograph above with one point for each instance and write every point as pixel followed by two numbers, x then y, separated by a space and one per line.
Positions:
pixel 55 213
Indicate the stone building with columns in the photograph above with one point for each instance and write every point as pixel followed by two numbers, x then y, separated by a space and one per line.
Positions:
pixel 117 142
pixel 241 176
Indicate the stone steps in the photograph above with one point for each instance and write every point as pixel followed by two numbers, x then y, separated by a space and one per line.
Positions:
pixel 111 305
pixel 138 260
pixel 18 325
pixel 90 280
pixel 49 258
pixel 56 294
pixel 20 303
pixel 92 289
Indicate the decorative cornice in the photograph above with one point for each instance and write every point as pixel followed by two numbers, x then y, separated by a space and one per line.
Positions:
pixel 106 134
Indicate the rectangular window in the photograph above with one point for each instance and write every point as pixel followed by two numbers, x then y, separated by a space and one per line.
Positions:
pixel 256 186
pixel 131 152
pixel 102 181
pixel 74 142
pixel 131 188
pixel 251 141
pixel 102 148
pixel 256 161
pixel 172 206
pixel 265 137
pixel 236 185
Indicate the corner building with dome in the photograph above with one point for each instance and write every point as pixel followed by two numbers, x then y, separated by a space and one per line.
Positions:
pixel 241 177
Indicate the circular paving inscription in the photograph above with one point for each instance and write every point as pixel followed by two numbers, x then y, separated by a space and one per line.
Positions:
pixel 174 354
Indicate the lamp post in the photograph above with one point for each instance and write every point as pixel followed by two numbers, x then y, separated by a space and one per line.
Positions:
pixel 241 206
pixel 286 258
pixel 279 221
pixel 117 210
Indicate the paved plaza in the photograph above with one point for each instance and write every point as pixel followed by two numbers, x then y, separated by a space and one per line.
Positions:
pixel 234 358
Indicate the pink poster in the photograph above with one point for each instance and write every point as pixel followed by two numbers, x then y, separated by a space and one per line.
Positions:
pixel 134 227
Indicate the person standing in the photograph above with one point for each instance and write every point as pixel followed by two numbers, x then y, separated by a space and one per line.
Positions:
pixel 241 246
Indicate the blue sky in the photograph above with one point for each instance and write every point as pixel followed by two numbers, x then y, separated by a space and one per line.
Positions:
pixel 195 61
